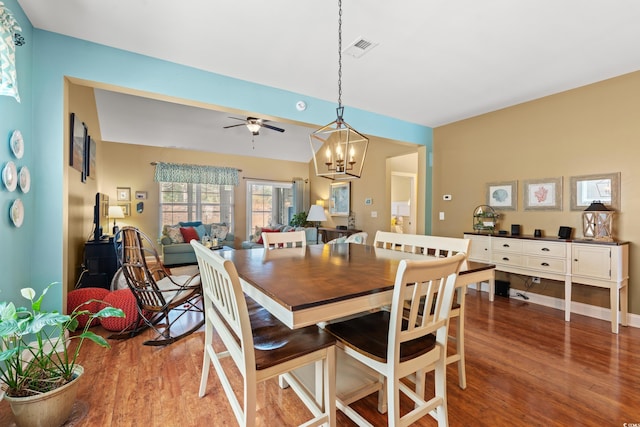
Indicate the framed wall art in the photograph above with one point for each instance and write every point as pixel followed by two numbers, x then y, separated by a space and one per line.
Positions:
pixel 91 157
pixel 77 144
pixel 123 194
pixel 503 195
pixel 126 208
pixel 589 188
pixel 543 194
pixel 340 199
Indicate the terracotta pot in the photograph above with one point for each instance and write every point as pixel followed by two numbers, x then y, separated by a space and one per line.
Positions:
pixel 50 409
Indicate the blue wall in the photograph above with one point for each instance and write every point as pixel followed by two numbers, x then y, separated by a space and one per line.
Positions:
pixel 56 57
pixel 16 254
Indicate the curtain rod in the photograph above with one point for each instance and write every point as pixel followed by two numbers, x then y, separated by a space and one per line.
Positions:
pixel 239 170
pixel 270 180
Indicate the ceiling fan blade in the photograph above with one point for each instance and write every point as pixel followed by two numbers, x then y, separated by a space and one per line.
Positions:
pixel 233 126
pixel 272 128
pixel 236 118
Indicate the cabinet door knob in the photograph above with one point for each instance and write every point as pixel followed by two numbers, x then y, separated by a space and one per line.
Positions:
pixel 546 249
pixel 575 260
pixel 544 264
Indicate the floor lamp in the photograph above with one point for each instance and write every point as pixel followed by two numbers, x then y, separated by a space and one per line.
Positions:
pixel 316 214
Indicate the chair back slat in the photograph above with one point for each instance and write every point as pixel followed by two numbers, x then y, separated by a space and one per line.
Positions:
pixel 425 289
pixel 437 246
pixel 225 305
pixel 287 239
pixel 136 247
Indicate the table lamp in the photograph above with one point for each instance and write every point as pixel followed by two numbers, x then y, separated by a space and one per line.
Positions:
pixel 115 212
pixel 316 214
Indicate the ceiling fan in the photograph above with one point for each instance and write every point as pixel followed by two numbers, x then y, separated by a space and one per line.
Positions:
pixel 254 125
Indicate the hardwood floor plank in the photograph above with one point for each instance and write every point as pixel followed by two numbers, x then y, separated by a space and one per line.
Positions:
pixel 526 366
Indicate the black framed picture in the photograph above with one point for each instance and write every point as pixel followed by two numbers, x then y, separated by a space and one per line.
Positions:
pixel 78 145
pixel 90 155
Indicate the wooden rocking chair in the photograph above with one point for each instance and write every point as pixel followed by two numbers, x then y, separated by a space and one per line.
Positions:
pixel 161 299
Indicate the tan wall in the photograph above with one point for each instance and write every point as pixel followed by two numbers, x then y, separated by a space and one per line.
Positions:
pixel 374 184
pixel 589 130
pixel 80 196
pixel 126 165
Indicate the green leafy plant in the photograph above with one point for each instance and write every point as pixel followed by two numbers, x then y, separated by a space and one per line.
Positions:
pixel 36 354
pixel 300 220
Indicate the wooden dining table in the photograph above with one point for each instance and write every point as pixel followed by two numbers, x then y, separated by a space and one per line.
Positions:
pixel 319 283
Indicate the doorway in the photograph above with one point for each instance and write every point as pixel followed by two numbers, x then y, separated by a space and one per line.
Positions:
pixel 403 202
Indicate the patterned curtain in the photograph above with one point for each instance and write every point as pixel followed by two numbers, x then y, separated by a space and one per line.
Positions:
pixel 8 75
pixel 196 174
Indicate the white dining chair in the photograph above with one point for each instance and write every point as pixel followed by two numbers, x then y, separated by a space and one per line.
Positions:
pixel 260 345
pixel 443 247
pixel 287 239
pixel 396 344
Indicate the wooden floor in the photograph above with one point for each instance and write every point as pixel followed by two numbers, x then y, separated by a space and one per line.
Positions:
pixel 525 367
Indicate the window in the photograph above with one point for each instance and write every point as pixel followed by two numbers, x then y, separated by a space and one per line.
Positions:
pixel 196 202
pixel 268 203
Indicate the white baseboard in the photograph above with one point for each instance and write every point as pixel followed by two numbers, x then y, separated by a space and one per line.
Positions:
pixel 602 313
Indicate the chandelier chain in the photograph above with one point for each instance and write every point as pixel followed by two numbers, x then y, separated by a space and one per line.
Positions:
pixel 339 53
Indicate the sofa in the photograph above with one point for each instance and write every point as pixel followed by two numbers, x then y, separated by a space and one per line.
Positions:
pixel 176 250
pixel 255 240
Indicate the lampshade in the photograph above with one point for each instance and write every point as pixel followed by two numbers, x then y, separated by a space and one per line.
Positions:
pixel 116 212
pixel 316 213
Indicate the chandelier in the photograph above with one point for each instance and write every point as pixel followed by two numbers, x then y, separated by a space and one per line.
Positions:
pixel 338 149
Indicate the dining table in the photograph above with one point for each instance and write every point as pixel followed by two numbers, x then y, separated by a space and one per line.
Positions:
pixel 313 284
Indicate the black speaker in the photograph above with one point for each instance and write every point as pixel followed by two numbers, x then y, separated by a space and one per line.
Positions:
pixel 564 232
pixel 515 229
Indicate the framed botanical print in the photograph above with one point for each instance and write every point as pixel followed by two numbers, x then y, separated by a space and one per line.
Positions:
pixel 543 194
pixel 123 194
pixel 503 195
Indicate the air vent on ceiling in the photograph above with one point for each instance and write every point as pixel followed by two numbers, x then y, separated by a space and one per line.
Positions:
pixel 359 47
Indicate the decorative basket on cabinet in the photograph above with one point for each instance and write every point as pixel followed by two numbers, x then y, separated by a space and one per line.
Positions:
pixel 485 219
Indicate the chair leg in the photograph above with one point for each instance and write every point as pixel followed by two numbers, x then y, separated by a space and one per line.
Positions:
pixel 462 374
pixel 206 360
pixel 441 392
pixel 393 401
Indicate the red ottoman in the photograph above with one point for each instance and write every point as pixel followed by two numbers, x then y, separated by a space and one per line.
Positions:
pixel 124 300
pixel 77 298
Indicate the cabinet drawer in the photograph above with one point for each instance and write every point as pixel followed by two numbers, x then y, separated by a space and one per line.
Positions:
pixel 506 245
pixel 554 265
pixel 545 249
pixel 507 258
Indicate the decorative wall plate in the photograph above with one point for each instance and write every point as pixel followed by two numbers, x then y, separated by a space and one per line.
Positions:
pixel 17 213
pixel 10 176
pixel 17 144
pixel 24 179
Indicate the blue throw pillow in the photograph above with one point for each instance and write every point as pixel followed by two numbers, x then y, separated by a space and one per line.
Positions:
pixel 201 230
pixel 190 224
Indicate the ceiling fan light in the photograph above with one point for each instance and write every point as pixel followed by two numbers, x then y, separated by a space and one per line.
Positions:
pixel 254 128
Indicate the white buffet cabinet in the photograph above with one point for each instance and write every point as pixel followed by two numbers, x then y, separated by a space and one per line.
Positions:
pixel 601 264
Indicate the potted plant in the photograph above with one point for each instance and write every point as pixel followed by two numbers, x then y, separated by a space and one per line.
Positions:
pixel 38 363
pixel 299 220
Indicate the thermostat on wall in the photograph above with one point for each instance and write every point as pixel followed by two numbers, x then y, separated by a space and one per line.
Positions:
pixel 368 201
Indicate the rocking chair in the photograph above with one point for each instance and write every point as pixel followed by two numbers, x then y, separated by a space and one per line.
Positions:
pixel 160 297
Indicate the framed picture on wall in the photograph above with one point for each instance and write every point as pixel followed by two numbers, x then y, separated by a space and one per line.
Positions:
pixel 91 157
pixel 503 195
pixel 604 188
pixel 543 194
pixel 340 199
pixel 123 194
pixel 77 144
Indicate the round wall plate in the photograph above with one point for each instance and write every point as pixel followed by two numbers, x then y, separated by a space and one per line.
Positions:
pixel 17 213
pixel 17 144
pixel 24 179
pixel 10 176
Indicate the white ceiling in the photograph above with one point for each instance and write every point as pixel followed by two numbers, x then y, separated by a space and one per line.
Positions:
pixel 437 61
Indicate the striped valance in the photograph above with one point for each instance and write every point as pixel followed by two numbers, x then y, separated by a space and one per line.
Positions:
pixel 196 174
